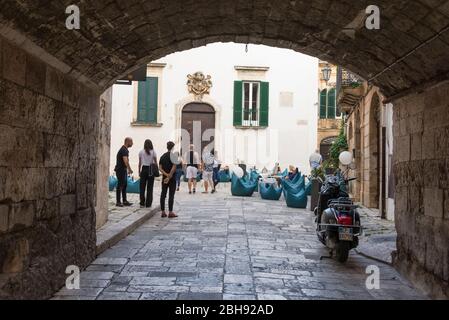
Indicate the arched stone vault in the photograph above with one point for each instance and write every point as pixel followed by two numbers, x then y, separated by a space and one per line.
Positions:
pixel 118 36
pixel 47 195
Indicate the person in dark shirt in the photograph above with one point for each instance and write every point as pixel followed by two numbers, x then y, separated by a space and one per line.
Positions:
pixel 122 169
pixel 167 165
pixel 179 170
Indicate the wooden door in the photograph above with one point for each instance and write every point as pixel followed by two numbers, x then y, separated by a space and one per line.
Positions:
pixel 198 120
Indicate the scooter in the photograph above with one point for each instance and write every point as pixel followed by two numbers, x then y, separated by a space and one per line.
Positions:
pixel 337 219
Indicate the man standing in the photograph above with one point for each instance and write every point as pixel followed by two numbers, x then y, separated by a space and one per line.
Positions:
pixel 122 169
pixel 217 166
pixel 167 165
pixel 191 159
pixel 315 159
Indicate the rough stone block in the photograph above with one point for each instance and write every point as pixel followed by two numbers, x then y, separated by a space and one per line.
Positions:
pixel 35 74
pixel 4 213
pixel 61 152
pixel 45 114
pixel 433 171
pixel 402 148
pixel 15 256
pixel 71 92
pixel 14 68
pixel 21 215
pixel 67 204
pixel 433 202
pixel 18 108
pixel 428 144
pixel 66 121
pixel 54 84
pixel 24 147
pixel 47 209
pixel 442 143
pixel 416 123
pixel 59 181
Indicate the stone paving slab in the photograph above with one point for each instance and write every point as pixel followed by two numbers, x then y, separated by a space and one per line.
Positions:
pixel 229 248
pixel 122 222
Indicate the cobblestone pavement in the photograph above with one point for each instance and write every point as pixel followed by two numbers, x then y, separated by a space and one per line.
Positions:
pixel 379 236
pixel 223 247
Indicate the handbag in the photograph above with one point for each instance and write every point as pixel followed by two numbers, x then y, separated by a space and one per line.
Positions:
pixel 154 170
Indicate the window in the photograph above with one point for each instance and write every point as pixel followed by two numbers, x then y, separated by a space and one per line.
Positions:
pixel 147 101
pixel 251 103
pixel 328 104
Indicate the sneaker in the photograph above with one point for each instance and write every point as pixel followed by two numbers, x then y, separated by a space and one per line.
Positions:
pixel 194 190
pixel 213 191
pixel 119 205
pixel 127 204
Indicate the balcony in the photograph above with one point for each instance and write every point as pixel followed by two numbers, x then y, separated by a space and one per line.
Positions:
pixel 351 90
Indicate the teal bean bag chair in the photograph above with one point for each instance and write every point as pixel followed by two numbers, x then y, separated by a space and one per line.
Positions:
pixel 241 187
pixel 269 192
pixel 133 186
pixel 254 175
pixel 224 176
pixel 296 178
pixel 112 183
pixel 294 187
pixel 296 200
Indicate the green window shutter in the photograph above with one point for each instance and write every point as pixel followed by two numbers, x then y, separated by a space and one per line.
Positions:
pixel 323 104
pixel 142 114
pixel 264 103
pixel 152 90
pixel 147 100
pixel 331 105
pixel 238 98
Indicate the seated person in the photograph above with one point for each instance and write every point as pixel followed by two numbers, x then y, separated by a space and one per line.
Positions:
pixel 292 172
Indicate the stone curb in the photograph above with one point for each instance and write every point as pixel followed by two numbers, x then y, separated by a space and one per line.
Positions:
pixel 109 236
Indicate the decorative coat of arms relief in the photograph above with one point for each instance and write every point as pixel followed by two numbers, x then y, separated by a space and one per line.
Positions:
pixel 198 84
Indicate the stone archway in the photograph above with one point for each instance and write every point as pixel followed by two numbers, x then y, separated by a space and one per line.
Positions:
pixel 52 78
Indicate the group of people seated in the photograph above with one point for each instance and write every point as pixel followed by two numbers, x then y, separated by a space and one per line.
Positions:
pixel 289 174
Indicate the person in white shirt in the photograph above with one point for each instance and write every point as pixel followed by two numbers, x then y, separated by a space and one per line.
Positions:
pixel 192 165
pixel 315 160
pixel 147 157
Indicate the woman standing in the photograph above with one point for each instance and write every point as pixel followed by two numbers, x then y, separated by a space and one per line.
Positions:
pixel 147 157
pixel 168 168
pixel 179 170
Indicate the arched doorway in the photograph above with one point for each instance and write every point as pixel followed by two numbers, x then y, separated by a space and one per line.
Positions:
pixel 198 126
pixel 325 147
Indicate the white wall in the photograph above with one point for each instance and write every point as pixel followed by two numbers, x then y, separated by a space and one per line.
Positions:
pixel 293 129
pixel 389 154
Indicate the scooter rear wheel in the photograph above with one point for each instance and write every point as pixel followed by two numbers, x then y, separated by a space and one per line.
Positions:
pixel 342 251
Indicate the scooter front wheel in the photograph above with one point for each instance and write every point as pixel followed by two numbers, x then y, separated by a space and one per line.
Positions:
pixel 342 251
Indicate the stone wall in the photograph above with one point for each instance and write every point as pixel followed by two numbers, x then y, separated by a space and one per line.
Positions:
pixel 421 168
pixel 48 125
pixel 103 156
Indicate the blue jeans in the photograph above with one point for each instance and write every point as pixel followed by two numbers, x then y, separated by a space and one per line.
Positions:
pixel 178 175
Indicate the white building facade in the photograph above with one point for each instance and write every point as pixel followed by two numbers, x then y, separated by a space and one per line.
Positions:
pixel 255 106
